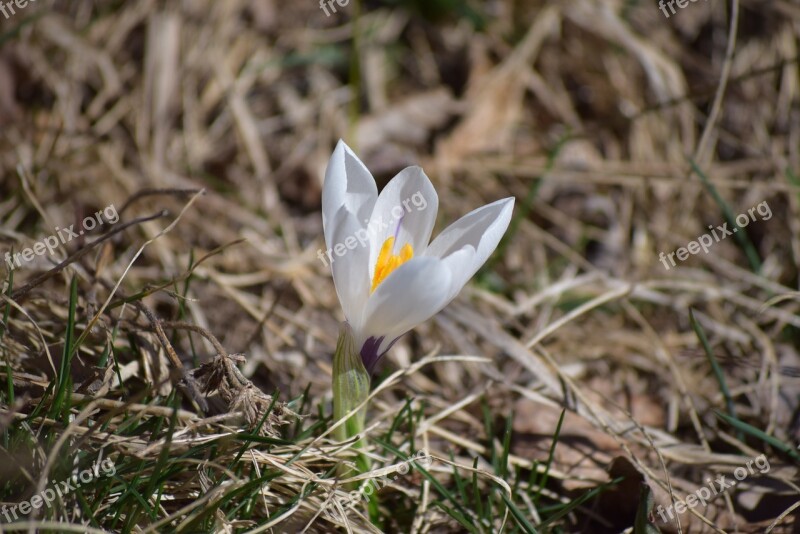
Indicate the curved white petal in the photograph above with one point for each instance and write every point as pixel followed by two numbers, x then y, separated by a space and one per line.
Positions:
pixel 466 244
pixel 405 209
pixel 459 263
pixel 349 264
pixel 347 183
pixel 411 294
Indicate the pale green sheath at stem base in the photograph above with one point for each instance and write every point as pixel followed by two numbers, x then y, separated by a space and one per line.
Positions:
pixel 350 389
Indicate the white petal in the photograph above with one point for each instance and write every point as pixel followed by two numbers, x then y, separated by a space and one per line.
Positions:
pixel 474 237
pixel 347 183
pixel 410 295
pixel 349 264
pixel 406 209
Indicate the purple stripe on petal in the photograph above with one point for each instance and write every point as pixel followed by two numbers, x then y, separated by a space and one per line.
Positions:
pixel 369 352
pixel 397 230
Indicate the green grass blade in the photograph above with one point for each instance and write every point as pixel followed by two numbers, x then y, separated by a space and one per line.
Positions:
pixel 787 449
pixel 563 510
pixel 550 457
pixel 741 237
pixel 518 516
pixel 476 491
pixel 720 376
pixel 64 380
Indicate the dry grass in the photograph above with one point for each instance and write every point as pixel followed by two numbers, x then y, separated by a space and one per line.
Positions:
pixel 207 125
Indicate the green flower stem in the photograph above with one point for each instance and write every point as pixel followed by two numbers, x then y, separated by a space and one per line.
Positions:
pixel 351 384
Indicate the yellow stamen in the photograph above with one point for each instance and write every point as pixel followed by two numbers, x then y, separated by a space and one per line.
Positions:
pixel 388 262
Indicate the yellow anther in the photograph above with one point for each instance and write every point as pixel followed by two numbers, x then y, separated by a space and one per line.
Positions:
pixel 388 262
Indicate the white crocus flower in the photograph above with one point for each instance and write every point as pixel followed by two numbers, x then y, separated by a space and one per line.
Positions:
pixel 388 277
